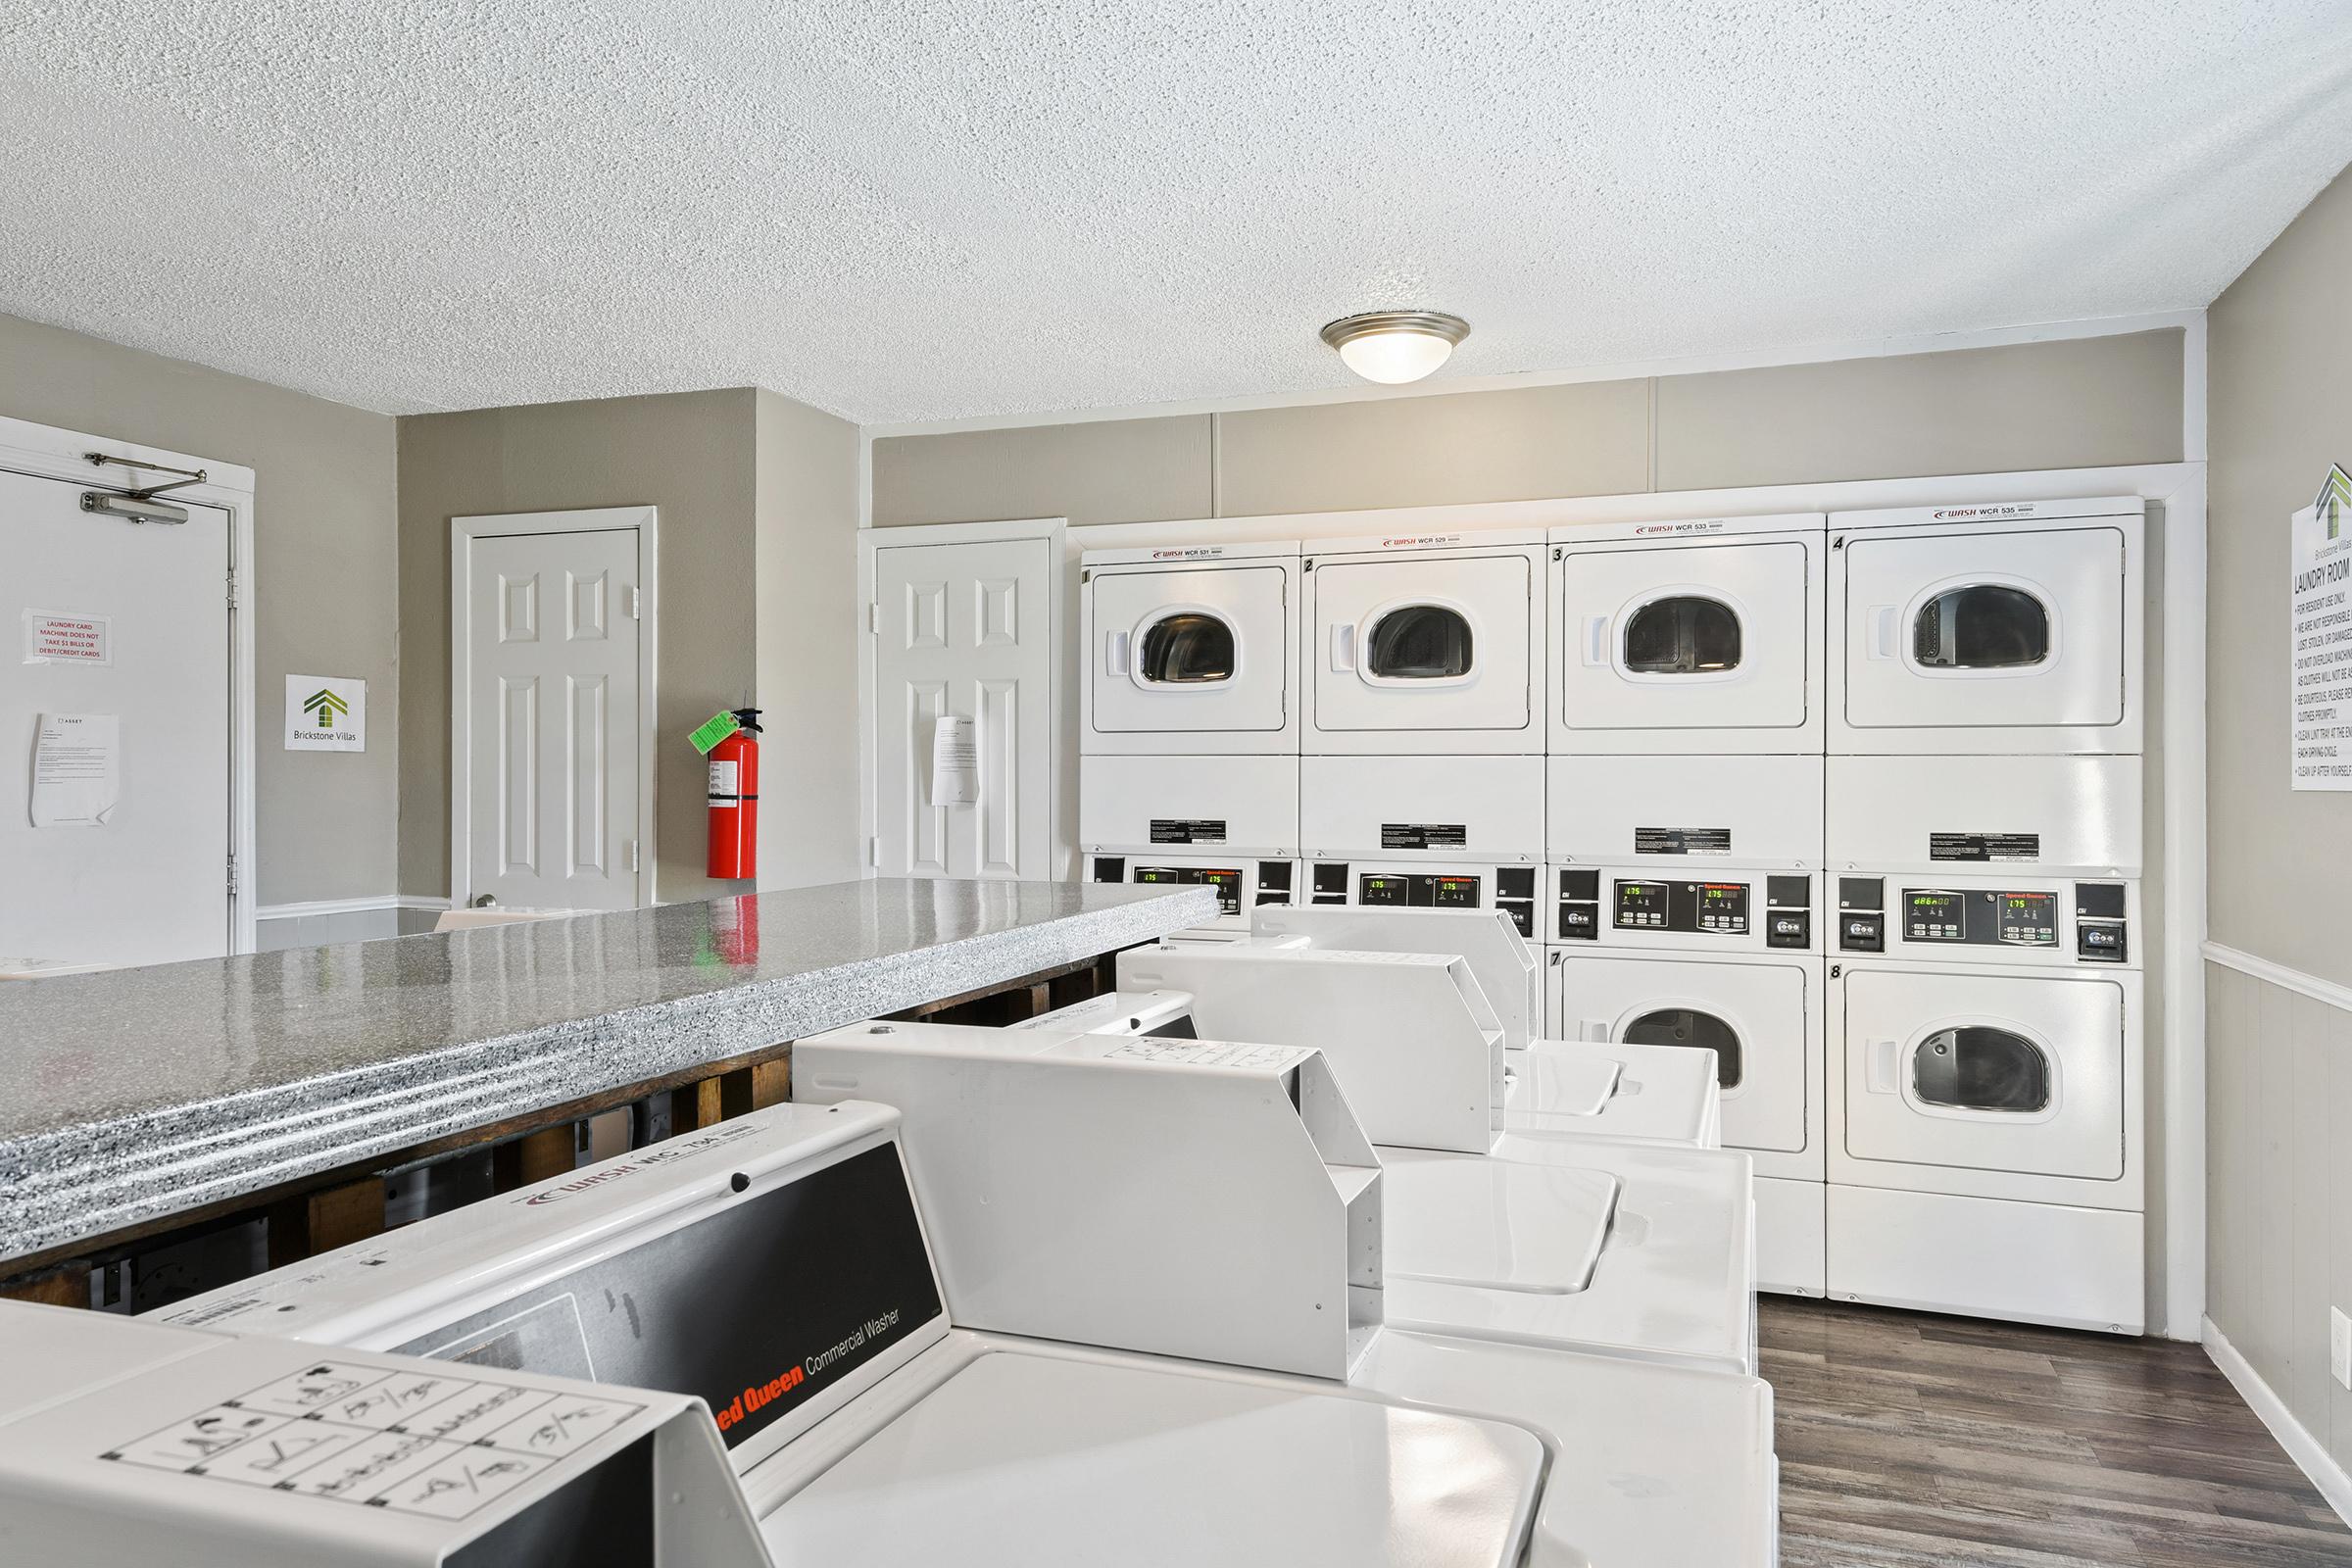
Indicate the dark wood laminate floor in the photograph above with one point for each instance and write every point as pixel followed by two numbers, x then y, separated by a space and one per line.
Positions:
pixel 1915 1442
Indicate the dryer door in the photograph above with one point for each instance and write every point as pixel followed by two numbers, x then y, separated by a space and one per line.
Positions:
pixel 1415 643
pixel 1711 637
pixel 1190 650
pixel 1986 628
pixel 1750 1016
pixel 1985 1072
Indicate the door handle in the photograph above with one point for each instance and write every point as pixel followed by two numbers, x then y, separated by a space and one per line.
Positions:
pixel 1880 1073
pixel 1881 631
pixel 1342 645
pixel 1595 1031
pixel 1597 640
pixel 1114 653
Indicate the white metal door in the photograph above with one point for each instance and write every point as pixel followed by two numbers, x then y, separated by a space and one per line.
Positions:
pixel 1984 1072
pixel 964 630
pixel 1753 1015
pixel 1428 653
pixel 150 882
pixel 553 720
pixel 1691 637
pixel 1986 629
pixel 1189 652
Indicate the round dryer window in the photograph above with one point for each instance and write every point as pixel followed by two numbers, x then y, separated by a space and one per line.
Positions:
pixel 1700 1031
pixel 1682 634
pixel 1979 1068
pixel 1984 626
pixel 1420 642
pixel 1188 648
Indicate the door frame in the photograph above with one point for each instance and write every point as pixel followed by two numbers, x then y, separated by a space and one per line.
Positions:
pixel 46 451
pixel 1052 531
pixel 645 522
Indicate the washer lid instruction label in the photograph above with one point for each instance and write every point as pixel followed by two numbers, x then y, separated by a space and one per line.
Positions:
pixel 421 1443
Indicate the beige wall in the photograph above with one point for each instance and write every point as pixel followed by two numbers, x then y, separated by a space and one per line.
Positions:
pixel 806 524
pixel 2280 1062
pixel 325 561
pixel 689 454
pixel 2073 403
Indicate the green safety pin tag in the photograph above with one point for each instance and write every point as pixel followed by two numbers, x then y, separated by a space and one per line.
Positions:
pixel 718 727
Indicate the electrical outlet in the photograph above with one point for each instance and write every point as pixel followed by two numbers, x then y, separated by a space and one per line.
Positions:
pixel 2339 1345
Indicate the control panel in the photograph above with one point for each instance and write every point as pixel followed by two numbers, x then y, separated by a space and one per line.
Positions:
pixel 1234 885
pixel 1701 908
pixel 1514 888
pixel 2012 919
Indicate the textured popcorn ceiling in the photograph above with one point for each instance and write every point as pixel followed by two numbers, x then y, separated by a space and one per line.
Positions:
pixel 943 207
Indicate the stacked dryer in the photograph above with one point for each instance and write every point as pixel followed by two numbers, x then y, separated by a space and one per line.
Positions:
pixel 1189 720
pixel 1685 833
pixel 1986 1059
pixel 1422 782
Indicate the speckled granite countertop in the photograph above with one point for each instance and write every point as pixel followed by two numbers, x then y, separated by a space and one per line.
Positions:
pixel 137 1094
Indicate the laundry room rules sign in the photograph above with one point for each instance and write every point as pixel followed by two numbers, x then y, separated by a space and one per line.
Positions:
pixel 2319 704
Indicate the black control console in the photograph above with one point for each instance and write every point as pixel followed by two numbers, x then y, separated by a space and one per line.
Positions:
pixel 1514 889
pixel 1695 907
pixel 2027 919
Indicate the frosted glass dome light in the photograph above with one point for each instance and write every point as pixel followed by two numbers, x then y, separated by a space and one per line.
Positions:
pixel 1393 346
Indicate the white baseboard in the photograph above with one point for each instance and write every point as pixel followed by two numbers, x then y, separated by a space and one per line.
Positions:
pixel 2310 1454
pixel 368 906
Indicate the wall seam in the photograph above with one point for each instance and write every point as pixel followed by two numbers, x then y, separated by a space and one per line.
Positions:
pixel 1649 434
pixel 1216 464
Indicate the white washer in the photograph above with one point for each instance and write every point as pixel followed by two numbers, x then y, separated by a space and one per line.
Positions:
pixel 1641 1094
pixel 1986 1079
pixel 1998 629
pixel 1756 1019
pixel 1427 645
pixel 1702 636
pixel 777 1266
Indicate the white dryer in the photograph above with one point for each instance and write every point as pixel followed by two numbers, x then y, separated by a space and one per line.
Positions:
pixel 1998 629
pixel 1985 1079
pixel 1702 636
pixel 1189 722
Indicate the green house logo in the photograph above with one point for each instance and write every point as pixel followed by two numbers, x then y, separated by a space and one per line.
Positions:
pixel 2334 498
pixel 325 707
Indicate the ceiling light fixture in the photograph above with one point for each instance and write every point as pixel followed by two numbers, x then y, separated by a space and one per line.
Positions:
pixel 1396 346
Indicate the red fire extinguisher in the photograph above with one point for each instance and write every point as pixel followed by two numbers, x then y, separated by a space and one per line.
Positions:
pixel 735 800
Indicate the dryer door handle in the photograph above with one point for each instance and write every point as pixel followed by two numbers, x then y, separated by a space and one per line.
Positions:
pixel 1881 631
pixel 1596 1031
pixel 1879 1073
pixel 1596 640
pixel 1342 645
pixel 1114 653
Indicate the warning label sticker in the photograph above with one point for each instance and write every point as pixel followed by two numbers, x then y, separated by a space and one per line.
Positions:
pixel 1983 845
pixel 1681 841
pixel 1423 835
pixel 1188 830
pixel 1209 1054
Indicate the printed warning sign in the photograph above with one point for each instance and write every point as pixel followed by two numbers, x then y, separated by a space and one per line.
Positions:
pixel 55 638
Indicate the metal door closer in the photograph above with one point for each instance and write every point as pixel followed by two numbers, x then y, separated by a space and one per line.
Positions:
pixel 1616 1091
pixel 1144 1326
pixel 1614 1247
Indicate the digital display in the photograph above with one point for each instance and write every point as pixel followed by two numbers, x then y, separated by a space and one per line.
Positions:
pixel 2026 919
pixel 1705 908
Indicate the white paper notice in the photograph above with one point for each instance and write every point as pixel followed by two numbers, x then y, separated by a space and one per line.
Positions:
pixel 955 761
pixel 2319 674
pixel 53 638
pixel 77 770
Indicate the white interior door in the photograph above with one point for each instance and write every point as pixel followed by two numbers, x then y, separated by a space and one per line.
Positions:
pixel 1700 637
pixel 1985 629
pixel 1190 650
pixel 139 613
pixel 552 713
pixel 964 630
pixel 1985 1072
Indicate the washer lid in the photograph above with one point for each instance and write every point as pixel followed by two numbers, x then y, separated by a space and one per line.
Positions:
pixel 1497 1224
pixel 1036 1461
pixel 1564 1083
